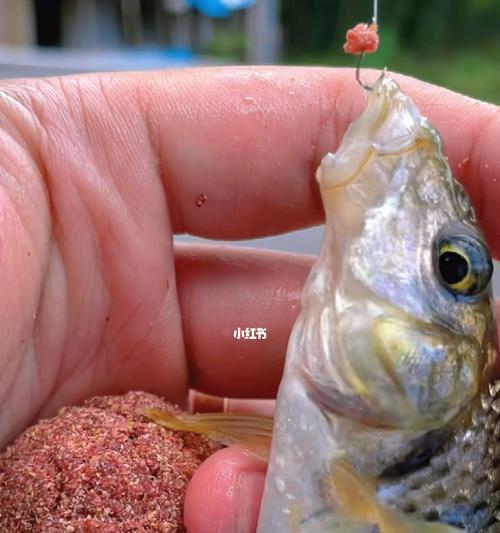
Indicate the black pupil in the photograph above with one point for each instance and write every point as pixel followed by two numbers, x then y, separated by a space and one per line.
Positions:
pixel 453 267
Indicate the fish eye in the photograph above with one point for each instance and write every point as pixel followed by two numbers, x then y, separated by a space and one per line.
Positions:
pixel 464 264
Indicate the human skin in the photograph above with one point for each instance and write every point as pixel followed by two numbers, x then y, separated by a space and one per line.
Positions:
pixel 98 172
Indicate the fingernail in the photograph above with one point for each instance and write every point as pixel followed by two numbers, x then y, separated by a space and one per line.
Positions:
pixel 250 488
pixel 200 402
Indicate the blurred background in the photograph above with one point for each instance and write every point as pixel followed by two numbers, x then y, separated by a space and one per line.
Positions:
pixel 453 43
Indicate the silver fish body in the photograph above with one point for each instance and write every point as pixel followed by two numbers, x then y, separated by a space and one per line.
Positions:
pixel 390 361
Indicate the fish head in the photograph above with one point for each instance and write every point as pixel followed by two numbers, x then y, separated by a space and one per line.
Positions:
pixel 403 332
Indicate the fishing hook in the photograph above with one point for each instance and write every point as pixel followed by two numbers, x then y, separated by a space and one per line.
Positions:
pixel 358 75
pixel 361 56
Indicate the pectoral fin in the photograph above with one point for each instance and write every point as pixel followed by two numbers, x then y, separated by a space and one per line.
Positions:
pixel 355 497
pixel 352 496
pixel 251 432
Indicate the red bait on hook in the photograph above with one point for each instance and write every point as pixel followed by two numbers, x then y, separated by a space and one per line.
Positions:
pixel 362 39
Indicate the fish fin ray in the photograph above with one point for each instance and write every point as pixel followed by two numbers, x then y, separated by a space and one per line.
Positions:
pixel 355 497
pixel 352 496
pixel 251 432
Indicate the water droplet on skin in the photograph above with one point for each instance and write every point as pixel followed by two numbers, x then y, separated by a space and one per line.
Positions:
pixel 280 484
pixel 201 200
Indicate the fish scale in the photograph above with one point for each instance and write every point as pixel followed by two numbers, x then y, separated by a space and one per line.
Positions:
pixel 461 484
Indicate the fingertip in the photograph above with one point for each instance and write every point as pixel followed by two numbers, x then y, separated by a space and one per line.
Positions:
pixel 224 494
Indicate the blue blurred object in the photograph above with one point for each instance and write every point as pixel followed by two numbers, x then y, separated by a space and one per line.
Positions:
pixel 219 8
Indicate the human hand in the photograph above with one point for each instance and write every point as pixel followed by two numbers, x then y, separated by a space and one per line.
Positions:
pixel 98 172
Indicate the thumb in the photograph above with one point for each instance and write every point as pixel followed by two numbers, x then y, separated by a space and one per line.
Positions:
pixel 224 494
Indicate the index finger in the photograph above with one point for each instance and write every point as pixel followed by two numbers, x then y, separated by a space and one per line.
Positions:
pixel 239 147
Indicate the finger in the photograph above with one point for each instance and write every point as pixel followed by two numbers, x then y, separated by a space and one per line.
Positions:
pixel 260 407
pixel 221 289
pixel 237 148
pixel 224 494
pixel 207 403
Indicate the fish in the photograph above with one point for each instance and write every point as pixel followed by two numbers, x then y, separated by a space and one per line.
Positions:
pixel 388 413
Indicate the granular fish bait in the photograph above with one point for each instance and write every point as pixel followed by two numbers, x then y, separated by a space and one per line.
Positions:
pixel 100 467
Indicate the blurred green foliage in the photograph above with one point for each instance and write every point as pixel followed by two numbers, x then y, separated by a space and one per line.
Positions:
pixel 228 43
pixel 454 43
pixel 423 25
